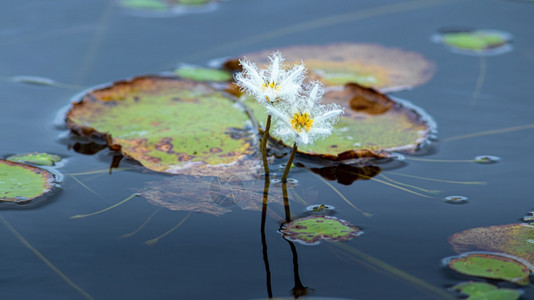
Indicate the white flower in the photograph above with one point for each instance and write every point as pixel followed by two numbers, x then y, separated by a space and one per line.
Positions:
pixel 305 120
pixel 273 85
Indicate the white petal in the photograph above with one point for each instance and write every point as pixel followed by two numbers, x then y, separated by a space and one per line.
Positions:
pixel 328 115
pixel 278 114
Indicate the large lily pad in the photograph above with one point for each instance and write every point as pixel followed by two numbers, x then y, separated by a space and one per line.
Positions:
pixel 373 125
pixel 43 159
pixel 513 239
pixel 210 195
pixel 485 291
pixel 203 74
pixel 22 183
pixel 366 64
pixel 311 230
pixel 170 125
pixel 491 266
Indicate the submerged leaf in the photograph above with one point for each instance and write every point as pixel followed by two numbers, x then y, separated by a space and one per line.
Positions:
pixel 211 195
pixel 311 230
pixel 43 159
pixel 203 74
pixel 22 183
pixel 513 239
pixel 373 125
pixel 491 266
pixel 170 125
pixel 485 291
pixel 367 64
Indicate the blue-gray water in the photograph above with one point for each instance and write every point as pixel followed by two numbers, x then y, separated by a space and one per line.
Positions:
pixel 86 43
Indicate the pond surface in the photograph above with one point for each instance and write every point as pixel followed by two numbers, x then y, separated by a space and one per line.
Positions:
pixel 482 105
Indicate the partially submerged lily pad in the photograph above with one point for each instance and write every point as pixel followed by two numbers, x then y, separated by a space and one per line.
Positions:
pixel 22 183
pixel 43 159
pixel 170 125
pixel 485 291
pixel 476 42
pixel 373 126
pixel 491 266
pixel 209 195
pixel 311 230
pixel 515 240
pixel 366 64
pixel 203 74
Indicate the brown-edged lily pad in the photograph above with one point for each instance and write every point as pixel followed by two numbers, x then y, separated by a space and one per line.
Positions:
pixel 210 195
pixel 516 240
pixel 311 230
pixel 367 64
pixel 491 266
pixel 373 126
pixel 43 159
pixel 485 291
pixel 22 183
pixel 170 125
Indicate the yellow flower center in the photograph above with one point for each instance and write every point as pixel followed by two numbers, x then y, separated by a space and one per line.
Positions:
pixel 301 122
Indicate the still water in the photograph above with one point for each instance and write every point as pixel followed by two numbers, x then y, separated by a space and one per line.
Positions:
pixel 47 255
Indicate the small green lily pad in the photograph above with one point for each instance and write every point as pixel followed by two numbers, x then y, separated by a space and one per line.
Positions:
pixel 145 4
pixel 203 74
pixel 485 291
pixel 476 42
pixel 170 125
pixel 366 64
pixel 511 239
pixel 311 230
pixel 43 159
pixel 491 266
pixel 22 183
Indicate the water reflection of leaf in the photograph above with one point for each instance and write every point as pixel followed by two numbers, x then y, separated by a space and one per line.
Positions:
pixel 211 195
pixel 347 174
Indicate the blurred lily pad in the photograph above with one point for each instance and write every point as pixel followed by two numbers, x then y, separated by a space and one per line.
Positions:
pixel 491 266
pixel 366 64
pixel 170 125
pixel 516 240
pixel 22 183
pixel 43 159
pixel 210 195
pixel 485 291
pixel 476 42
pixel 311 230
pixel 373 126
pixel 203 74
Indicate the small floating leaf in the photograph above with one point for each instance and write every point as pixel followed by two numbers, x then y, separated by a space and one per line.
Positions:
pixel 491 266
pixel 311 230
pixel 203 74
pixel 34 80
pixel 366 64
pixel 485 291
pixel 486 159
pixel 456 199
pixel 476 42
pixel 170 125
pixel 320 208
pixel 511 239
pixel 43 159
pixel 22 183
pixel 145 4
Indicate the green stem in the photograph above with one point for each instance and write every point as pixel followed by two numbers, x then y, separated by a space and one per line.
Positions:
pixel 289 163
pixel 264 145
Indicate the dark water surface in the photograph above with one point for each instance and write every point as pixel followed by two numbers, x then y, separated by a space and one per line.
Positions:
pixel 85 43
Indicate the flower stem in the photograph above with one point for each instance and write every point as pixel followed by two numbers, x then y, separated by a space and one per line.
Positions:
pixel 264 145
pixel 289 163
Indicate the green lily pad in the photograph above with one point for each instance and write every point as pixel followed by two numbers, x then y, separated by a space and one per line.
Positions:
pixel 373 126
pixel 512 239
pixel 22 183
pixel 170 125
pixel 210 195
pixel 145 4
pixel 476 42
pixel 192 2
pixel 366 64
pixel 311 230
pixel 203 74
pixel 485 291
pixel 491 266
pixel 43 159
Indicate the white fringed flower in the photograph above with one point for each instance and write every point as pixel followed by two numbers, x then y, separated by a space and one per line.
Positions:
pixel 305 120
pixel 273 85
